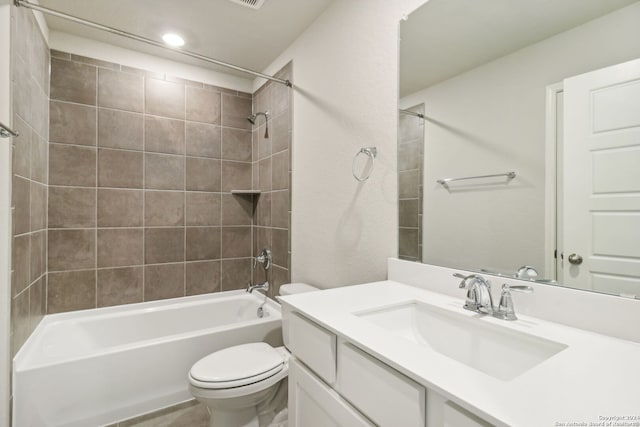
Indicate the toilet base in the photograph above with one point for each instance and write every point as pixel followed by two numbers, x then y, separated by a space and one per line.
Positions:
pixel 258 409
pixel 237 418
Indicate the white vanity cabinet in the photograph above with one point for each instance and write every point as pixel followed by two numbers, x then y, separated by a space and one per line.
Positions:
pixel 334 383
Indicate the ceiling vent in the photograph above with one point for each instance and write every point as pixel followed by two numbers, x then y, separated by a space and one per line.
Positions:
pixel 253 4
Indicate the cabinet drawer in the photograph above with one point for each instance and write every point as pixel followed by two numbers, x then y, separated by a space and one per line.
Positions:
pixel 314 404
pixel 314 345
pixel 388 398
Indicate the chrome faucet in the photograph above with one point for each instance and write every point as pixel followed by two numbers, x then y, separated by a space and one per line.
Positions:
pixel 526 272
pixel 479 297
pixel 478 293
pixel 265 259
pixel 260 287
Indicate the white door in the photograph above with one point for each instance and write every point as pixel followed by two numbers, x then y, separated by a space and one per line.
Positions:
pixel 601 220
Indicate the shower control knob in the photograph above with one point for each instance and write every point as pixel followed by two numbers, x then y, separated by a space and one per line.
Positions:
pixel 575 259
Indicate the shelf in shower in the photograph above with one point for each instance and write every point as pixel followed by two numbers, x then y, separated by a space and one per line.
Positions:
pixel 246 192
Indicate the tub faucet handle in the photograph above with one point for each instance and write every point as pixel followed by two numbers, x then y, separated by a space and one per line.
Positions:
pixel 264 258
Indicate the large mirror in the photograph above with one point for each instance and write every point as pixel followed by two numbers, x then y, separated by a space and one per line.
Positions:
pixel 519 140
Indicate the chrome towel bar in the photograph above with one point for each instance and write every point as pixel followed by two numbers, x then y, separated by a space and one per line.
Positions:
pixel 7 132
pixel 445 182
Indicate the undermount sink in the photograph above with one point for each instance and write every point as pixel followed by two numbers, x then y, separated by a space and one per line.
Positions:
pixel 495 350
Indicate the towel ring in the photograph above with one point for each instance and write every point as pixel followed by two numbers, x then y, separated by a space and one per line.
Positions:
pixel 371 152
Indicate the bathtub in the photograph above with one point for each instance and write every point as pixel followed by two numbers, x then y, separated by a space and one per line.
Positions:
pixel 97 367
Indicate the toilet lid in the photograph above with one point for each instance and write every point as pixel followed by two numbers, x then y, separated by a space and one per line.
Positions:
pixel 238 365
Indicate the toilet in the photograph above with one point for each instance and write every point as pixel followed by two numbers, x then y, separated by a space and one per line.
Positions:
pixel 245 385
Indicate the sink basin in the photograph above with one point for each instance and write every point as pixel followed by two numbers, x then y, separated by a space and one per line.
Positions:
pixel 495 350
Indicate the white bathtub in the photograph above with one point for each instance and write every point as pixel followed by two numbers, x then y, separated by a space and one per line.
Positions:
pixel 100 366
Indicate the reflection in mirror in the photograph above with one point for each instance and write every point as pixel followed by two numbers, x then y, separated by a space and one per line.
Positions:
pixel 410 177
pixel 518 86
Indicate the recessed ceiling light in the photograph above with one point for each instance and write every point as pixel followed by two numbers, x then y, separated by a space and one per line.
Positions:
pixel 173 39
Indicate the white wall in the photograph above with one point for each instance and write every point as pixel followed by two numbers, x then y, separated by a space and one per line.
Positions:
pixel 345 71
pixel 491 120
pixel 131 58
pixel 5 214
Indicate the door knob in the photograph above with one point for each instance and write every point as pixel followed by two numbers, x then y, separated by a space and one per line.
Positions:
pixel 575 259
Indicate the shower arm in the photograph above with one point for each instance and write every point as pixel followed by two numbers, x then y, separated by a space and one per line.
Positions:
pixel 254 118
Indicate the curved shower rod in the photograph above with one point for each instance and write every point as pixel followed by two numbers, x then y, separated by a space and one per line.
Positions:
pixel 151 42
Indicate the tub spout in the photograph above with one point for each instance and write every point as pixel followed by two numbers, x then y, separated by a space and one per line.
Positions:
pixel 261 287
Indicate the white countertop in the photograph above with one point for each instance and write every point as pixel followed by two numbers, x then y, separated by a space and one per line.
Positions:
pixel 595 377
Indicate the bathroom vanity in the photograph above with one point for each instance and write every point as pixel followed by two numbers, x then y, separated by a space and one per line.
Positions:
pixel 391 354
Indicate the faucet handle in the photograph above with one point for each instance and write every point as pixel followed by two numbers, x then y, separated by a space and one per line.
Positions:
pixel 505 309
pixel 464 279
pixel 519 288
pixel 264 258
pixel 470 279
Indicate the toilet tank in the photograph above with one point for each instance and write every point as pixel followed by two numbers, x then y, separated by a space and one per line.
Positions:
pixel 291 289
pixel 296 288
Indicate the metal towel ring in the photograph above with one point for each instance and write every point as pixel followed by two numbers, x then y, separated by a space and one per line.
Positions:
pixel 371 152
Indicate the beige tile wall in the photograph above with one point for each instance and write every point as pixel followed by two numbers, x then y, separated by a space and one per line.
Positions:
pixel 140 170
pixel 30 93
pixel 272 176
pixel 410 176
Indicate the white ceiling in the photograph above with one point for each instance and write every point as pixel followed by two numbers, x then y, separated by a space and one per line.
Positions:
pixel 444 38
pixel 216 28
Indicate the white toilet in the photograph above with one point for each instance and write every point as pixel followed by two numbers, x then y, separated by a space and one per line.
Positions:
pixel 244 385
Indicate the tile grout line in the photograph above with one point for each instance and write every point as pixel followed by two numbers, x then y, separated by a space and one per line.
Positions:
pixel 95 273
pixel 144 113
pixel 117 267
pixel 144 188
pixel 254 207
pixel 147 73
pixel 184 198
pixel 103 148
pixel 220 275
pixel 45 290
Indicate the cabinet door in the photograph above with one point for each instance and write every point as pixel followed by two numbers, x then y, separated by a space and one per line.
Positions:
pixel 313 404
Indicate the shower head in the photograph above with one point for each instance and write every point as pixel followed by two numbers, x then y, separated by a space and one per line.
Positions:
pixel 254 118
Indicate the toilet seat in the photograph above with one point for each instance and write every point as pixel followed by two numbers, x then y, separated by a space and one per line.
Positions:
pixel 237 366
